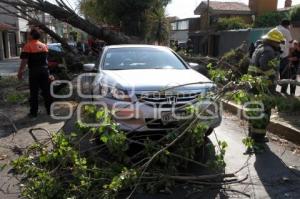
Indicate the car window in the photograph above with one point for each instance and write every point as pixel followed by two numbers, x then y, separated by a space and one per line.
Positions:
pixel 55 47
pixel 141 58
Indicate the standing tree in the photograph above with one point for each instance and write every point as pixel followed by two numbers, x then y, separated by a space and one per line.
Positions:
pixel 158 26
pixel 134 17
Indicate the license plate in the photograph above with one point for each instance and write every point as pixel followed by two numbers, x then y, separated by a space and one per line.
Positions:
pixel 168 117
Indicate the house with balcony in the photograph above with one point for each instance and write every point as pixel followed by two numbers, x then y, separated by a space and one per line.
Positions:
pixel 206 39
pixel 180 28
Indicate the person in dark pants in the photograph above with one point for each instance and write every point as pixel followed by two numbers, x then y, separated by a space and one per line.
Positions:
pixel 284 28
pixel 294 65
pixel 34 54
pixel 264 65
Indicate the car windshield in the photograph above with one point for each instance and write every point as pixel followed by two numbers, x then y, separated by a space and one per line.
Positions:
pixel 141 58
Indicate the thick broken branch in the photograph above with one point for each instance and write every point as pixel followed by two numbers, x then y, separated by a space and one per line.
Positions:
pixel 65 14
pixel 36 22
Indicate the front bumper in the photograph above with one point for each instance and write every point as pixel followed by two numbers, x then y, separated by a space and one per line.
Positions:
pixel 141 117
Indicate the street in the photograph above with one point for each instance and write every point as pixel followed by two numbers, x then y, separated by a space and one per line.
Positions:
pixel 268 172
pixel 274 173
pixel 156 99
pixel 9 67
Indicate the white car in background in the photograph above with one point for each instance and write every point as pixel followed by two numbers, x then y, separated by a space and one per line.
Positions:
pixel 148 87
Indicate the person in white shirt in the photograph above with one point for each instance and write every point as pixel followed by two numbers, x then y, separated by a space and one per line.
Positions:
pixel 284 28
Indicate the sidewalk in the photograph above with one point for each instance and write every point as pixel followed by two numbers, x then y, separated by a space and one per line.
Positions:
pixel 9 139
pixel 9 67
pixel 285 125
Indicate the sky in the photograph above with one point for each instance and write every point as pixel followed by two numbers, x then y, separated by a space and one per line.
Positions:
pixel 185 8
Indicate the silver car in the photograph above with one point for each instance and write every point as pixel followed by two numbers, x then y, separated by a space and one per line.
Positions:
pixel 149 88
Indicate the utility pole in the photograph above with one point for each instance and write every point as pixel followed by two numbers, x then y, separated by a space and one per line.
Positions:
pixel 208 28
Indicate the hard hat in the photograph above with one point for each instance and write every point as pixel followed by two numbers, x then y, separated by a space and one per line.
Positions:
pixel 275 35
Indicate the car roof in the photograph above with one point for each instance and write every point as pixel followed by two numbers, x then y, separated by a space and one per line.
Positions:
pixel 136 46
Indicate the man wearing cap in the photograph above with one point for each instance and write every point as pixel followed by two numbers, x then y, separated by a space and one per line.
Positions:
pixel 284 28
pixel 34 54
pixel 264 64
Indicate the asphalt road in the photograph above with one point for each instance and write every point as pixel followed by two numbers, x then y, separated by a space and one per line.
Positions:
pixel 9 67
pixel 274 173
pixel 269 175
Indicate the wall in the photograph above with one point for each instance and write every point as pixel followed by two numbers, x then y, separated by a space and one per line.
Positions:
pixel 179 35
pixel 296 33
pixel 6 45
pixel 194 24
pixel 4 18
pixel 229 40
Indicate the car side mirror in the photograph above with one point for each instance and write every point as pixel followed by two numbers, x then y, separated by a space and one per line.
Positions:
pixel 89 67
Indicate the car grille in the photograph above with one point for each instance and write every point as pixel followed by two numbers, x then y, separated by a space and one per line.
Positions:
pixel 158 124
pixel 166 100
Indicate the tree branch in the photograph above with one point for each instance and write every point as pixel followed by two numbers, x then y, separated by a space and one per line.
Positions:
pixel 66 14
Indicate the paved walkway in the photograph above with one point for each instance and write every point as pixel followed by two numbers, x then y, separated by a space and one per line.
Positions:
pixel 8 140
pixel 9 67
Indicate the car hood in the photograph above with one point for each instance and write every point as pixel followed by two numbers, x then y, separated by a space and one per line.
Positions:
pixel 155 79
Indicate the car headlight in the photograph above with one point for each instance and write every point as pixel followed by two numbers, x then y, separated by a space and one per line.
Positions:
pixel 114 93
pixel 211 89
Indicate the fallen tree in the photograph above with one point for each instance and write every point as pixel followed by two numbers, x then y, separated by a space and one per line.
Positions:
pixel 64 13
pixel 93 162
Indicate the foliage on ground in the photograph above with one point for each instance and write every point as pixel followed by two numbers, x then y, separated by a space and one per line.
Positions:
pixel 8 82
pixel 14 97
pixel 97 162
pixel 9 93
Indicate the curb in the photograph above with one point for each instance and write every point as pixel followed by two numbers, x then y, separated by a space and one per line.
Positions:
pixel 281 129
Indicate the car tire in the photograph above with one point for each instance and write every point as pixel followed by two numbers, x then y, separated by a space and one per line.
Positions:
pixel 209 132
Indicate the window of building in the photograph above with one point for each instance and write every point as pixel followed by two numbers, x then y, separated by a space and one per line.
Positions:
pixel 174 26
pixel 183 25
pixel 23 37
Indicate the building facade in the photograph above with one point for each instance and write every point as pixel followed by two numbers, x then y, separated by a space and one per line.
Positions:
pixel 10 35
pixel 180 28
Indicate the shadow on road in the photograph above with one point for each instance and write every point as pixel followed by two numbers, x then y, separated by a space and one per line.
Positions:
pixel 278 180
pixel 25 122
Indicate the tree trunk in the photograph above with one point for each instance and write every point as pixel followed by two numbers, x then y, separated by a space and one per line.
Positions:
pixel 55 36
pixel 66 14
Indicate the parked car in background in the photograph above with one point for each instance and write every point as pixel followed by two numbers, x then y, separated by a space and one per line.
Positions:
pixel 149 88
pixel 57 64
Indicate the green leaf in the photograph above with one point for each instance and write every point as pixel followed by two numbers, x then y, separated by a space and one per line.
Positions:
pixel 2 167
pixel 104 139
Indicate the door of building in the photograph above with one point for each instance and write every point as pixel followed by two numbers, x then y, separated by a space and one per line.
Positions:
pixel 12 44
pixel 4 45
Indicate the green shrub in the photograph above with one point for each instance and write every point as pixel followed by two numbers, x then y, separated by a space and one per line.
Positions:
pixel 8 81
pixel 288 104
pixel 270 19
pixel 231 23
pixel 295 14
pixel 15 97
